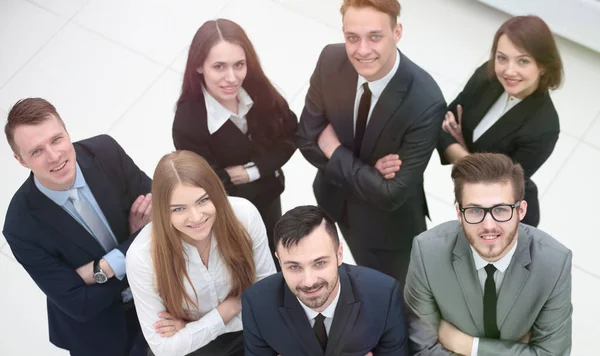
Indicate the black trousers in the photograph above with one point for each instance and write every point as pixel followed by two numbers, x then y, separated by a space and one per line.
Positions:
pixel 271 213
pixel 533 204
pixel 230 344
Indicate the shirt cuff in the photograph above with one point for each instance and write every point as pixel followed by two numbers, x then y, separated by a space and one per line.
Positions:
pixel 116 260
pixel 252 170
pixel 475 346
pixel 211 321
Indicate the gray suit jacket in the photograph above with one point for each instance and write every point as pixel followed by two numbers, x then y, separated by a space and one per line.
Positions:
pixel 535 295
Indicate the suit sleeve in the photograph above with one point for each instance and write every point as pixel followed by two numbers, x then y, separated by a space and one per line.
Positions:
pixel 313 120
pixel 532 152
pixel 136 181
pixel 254 344
pixel 394 339
pixel 421 309
pixel 61 284
pixel 415 150
pixel 189 135
pixel 551 331
pixel 278 154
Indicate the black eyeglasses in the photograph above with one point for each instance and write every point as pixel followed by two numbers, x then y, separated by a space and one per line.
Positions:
pixel 500 212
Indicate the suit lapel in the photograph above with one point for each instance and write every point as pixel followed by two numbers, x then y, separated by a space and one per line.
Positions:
pixel 296 320
pixel 386 106
pixel 464 267
pixel 511 121
pixel 478 111
pixel 105 194
pixel 344 127
pixel 59 220
pixel 515 277
pixel 344 318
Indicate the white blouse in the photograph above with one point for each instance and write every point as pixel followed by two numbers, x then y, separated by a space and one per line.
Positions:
pixel 495 113
pixel 212 285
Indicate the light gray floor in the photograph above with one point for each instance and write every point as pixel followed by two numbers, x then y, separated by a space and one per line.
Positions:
pixel 115 66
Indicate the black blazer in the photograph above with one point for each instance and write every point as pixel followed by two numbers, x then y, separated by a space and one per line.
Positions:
pixel 527 133
pixel 406 120
pixel 369 317
pixel 50 245
pixel 228 146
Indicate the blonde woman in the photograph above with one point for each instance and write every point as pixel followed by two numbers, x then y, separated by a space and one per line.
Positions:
pixel 189 267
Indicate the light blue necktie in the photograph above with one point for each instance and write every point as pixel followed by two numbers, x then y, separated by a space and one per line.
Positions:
pixel 92 220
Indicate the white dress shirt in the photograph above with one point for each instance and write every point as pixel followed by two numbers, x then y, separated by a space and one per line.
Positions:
pixel 328 313
pixel 376 87
pixel 501 267
pixel 217 115
pixel 500 107
pixel 212 285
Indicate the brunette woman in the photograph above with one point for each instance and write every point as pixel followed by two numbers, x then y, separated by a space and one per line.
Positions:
pixel 506 107
pixel 230 114
pixel 188 268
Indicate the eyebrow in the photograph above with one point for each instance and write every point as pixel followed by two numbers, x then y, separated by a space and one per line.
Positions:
pixel 374 32
pixel 519 56
pixel 197 201
pixel 481 206
pixel 40 146
pixel 314 261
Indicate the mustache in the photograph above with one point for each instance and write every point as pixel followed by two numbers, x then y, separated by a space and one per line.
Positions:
pixel 313 287
pixel 490 232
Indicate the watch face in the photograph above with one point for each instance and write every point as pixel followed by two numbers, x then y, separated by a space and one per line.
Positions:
pixel 100 277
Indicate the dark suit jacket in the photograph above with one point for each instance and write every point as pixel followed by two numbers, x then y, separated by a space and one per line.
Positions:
pixel 527 133
pixel 50 245
pixel 228 146
pixel 406 120
pixel 368 317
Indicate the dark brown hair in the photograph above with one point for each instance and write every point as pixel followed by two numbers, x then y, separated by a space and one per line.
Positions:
pixel 390 7
pixel 269 108
pixel 301 221
pixel 487 168
pixel 234 243
pixel 533 36
pixel 30 111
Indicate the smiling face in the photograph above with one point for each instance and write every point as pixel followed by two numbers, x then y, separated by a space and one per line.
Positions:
pixel 47 150
pixel 224 71
pixel 310 268
pixel 516 70
pixel 491 239
pixel 370 41
pixel 192 213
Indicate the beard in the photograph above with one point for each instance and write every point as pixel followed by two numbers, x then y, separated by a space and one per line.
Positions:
pixel 317 301
pixel 496 250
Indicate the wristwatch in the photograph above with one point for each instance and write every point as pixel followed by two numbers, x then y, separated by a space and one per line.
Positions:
pixel 99 275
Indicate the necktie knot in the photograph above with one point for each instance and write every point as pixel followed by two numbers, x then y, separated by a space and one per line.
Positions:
pixel 319 318
pixel 73 195
pixel 490 269
pixel 365 87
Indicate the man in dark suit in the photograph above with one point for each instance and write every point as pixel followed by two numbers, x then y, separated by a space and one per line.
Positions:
pixel 317 305
pixel 70 225
pixel 369 110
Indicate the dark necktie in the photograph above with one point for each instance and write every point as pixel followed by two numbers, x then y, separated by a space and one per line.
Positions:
pixel 489 304
pixel 361 118
pixel 320 331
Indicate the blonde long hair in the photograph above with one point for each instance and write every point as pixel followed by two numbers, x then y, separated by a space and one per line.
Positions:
pixel 234 243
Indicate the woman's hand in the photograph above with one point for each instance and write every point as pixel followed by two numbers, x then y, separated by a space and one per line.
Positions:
pixel 169 326
pixel 238 174
pixel 453 126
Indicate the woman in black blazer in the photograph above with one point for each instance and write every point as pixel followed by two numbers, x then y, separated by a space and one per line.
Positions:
pixel 506 108
pixel 230 114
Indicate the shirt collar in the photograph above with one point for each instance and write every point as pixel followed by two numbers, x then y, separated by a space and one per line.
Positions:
pixel 328 312
pixel 60 197
pixel 217 114
pixel 501 265
pixel 376 87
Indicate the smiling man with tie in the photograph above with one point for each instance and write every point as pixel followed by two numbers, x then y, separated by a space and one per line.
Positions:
pixel 70 225
pixel 488 284
pixel 317 305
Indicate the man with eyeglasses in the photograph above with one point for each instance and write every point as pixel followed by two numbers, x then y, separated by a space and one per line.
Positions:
pixel 487 284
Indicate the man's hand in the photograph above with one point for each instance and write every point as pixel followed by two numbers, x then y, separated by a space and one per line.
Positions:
pixel 388 165
pixel 86 272
pixel 328 141
pixel 525 339
pixel 140 213
pixel 453 339
pixel 238 174
pixel 169 326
